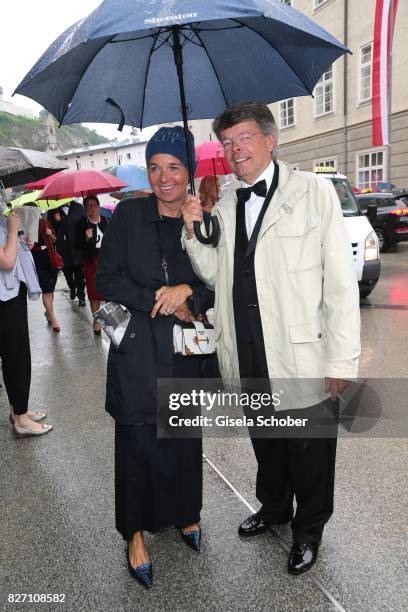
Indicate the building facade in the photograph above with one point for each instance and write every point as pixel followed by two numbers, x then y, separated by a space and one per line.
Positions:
pixel 335 127
pixel 101 156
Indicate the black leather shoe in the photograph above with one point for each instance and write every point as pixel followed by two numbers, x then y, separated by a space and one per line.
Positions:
pixel 142 573
pixel 72 294
pixel 302 557
pixel 252 526
pixel 81 302
pixel 192 539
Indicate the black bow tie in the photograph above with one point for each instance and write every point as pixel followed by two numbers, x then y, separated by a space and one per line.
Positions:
pixel 244 193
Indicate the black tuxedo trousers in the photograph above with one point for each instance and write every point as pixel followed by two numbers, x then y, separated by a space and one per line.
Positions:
pixel 288 468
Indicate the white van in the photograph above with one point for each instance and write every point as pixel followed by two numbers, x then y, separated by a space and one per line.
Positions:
pixel 363 238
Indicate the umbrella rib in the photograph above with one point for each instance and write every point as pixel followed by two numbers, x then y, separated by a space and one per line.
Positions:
pixel 156 36
pixel 212 64
pixel 273 46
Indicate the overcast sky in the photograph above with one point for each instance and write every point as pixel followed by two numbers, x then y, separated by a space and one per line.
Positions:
pixel 28 27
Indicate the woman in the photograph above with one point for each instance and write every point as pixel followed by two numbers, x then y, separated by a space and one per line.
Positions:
pixel 89 233
pixel 158 482
pixel 17 279
pixel 47 274
pixel 208 192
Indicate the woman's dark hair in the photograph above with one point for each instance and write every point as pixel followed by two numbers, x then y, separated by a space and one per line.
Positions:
pixel 91 197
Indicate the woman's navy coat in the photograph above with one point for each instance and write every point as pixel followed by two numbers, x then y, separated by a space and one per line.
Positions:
pixel 129 272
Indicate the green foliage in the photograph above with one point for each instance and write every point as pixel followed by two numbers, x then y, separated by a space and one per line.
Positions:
pixel 19 131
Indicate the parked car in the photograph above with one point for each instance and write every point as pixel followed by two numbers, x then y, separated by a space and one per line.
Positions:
pixel 391 222
pixel 363 240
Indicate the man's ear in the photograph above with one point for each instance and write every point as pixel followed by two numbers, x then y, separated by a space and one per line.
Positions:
pixel 271 142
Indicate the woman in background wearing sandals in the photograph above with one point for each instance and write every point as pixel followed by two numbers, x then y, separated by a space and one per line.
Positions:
pixel 17 279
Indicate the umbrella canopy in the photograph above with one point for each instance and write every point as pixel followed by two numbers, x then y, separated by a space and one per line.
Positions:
pixel 81 183
pixel 17 166
pixel 118 64
pixel 144 63
pixel 210 159
pixel 134 176
pixel 43 204
pixel 42 182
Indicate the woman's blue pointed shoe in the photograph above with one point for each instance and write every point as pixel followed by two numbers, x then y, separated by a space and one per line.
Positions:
pixel 141 573
pixel 192 539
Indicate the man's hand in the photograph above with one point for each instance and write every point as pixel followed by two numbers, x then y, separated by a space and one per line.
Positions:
pixel 169 299
pixel 192 211
pixel 184 314
pixel 335 386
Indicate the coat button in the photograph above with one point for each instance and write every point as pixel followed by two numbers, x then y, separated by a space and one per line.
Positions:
pixel 247 272
pixel 250 341
pixel 319 335
pixel 253 306
pixel 132 335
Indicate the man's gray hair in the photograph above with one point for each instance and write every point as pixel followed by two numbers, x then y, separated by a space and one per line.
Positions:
pixel 248 111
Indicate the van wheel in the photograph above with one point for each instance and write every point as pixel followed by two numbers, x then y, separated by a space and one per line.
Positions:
pixel 383 241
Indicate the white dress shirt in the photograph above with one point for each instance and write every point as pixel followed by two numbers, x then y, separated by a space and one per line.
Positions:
pixel 254 204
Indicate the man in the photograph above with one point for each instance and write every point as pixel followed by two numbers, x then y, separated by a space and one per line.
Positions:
pixel 64 220
pixel 287 307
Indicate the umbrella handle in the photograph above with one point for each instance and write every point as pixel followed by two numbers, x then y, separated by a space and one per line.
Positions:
pixel 213 236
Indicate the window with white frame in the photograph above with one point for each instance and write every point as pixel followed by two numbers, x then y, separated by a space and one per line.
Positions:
pixel 105 161
pixel 287 113
pixel 366 70
pixel 370 168
pixel 92 163
pixel 324 98
pixel 326 163
pixel 119 160
pixel 318 3
pixel 128 156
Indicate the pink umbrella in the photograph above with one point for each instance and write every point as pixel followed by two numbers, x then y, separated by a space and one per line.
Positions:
pixel 81 183
pixel 210 159
pixel 43 182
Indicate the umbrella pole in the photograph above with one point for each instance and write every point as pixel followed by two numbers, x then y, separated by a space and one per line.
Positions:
pixel 178 60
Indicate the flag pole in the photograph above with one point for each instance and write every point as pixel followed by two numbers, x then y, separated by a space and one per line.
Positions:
pixel 389 102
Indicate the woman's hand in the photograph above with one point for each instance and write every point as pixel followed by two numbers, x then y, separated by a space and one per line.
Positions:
pixel 169 299
pixel 29 243
pixel 184 314
pixel 13 222
pixel 192 211
pixel 88 234
pixel 48 231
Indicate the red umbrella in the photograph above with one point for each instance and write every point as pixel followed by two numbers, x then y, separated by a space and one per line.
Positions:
pixel 210 159
pixel 81 183
pixel 42 182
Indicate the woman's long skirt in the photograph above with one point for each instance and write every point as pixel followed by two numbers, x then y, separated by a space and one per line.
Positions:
pixel 158 481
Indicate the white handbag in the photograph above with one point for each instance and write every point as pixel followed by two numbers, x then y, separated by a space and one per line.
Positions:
pixel 193 338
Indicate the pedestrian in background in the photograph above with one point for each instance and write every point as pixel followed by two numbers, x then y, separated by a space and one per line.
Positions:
pixel 63 219
pixel 89 233
pixel 44 264
pixel 18 278
pixel 208 192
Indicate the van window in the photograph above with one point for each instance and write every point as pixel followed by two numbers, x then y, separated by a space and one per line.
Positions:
pixel 346 197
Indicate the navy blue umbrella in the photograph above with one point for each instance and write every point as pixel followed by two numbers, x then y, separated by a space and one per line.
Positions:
pixel 144 62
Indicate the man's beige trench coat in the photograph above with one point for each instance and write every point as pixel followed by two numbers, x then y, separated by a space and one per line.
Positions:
pixel 307 287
